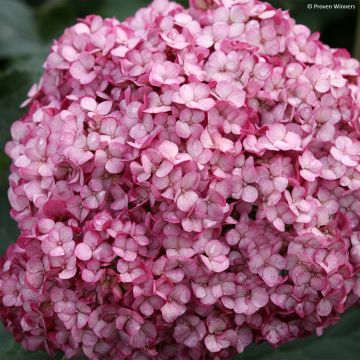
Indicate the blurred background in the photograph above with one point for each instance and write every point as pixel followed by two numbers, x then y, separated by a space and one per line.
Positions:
pixel 27 28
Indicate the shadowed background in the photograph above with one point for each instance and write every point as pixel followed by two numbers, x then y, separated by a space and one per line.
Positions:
pixel 27 28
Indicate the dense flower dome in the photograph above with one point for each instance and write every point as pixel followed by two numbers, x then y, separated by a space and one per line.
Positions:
pixel 186 182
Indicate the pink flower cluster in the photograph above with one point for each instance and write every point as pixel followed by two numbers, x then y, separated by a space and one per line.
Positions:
pixel 186 182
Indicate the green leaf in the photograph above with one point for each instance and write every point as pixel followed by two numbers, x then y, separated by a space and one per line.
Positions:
pixel 13 88
pixel 338 342
pixel 53 16
pixel 31 65
pixel 17 29
pixel 123 9
pixel 8 229
pixel 16 352
pixel 6 340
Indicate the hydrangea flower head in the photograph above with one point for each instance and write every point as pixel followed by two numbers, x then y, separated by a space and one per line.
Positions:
pixel 186 182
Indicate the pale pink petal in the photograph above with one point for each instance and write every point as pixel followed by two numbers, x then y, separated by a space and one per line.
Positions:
pixel 168 149
pixel 187 200
pixel 250 194
pixel 83 252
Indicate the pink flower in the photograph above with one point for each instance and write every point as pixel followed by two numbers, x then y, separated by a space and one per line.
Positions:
pixel 267 265
pixel 215 258
pixel 93 195
pixel 175 305
pixel 301 46
pixel 213 140
pixel 36 270
pixel 243 183
pixel 331 168
pixel 351 179
pixel 310 166
pixel 279 215
pixel 93 272
pixel 102 321
pixel 130 271
pixel 189 123
pixel 125 247
pixel 84 250
pixel 166 73
pixel 79 318
pixel 77 152
pixel 177 245
pixel 214 341
pixel 303 208
pixel 221 66
pixel 89 104
pixel 276 331
pixel 355 249
pixel 279 138
pixel 189 331
pixel 346 151
pixel 272 181
pixel 222 284
pixel 186 198
pixel 195 96
pixel 212 208
pixel 59 241
pixel 64 301
pixel 246 301
pixel 226 91
pixel 82 69
pixel 11 289
pixel 199 154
